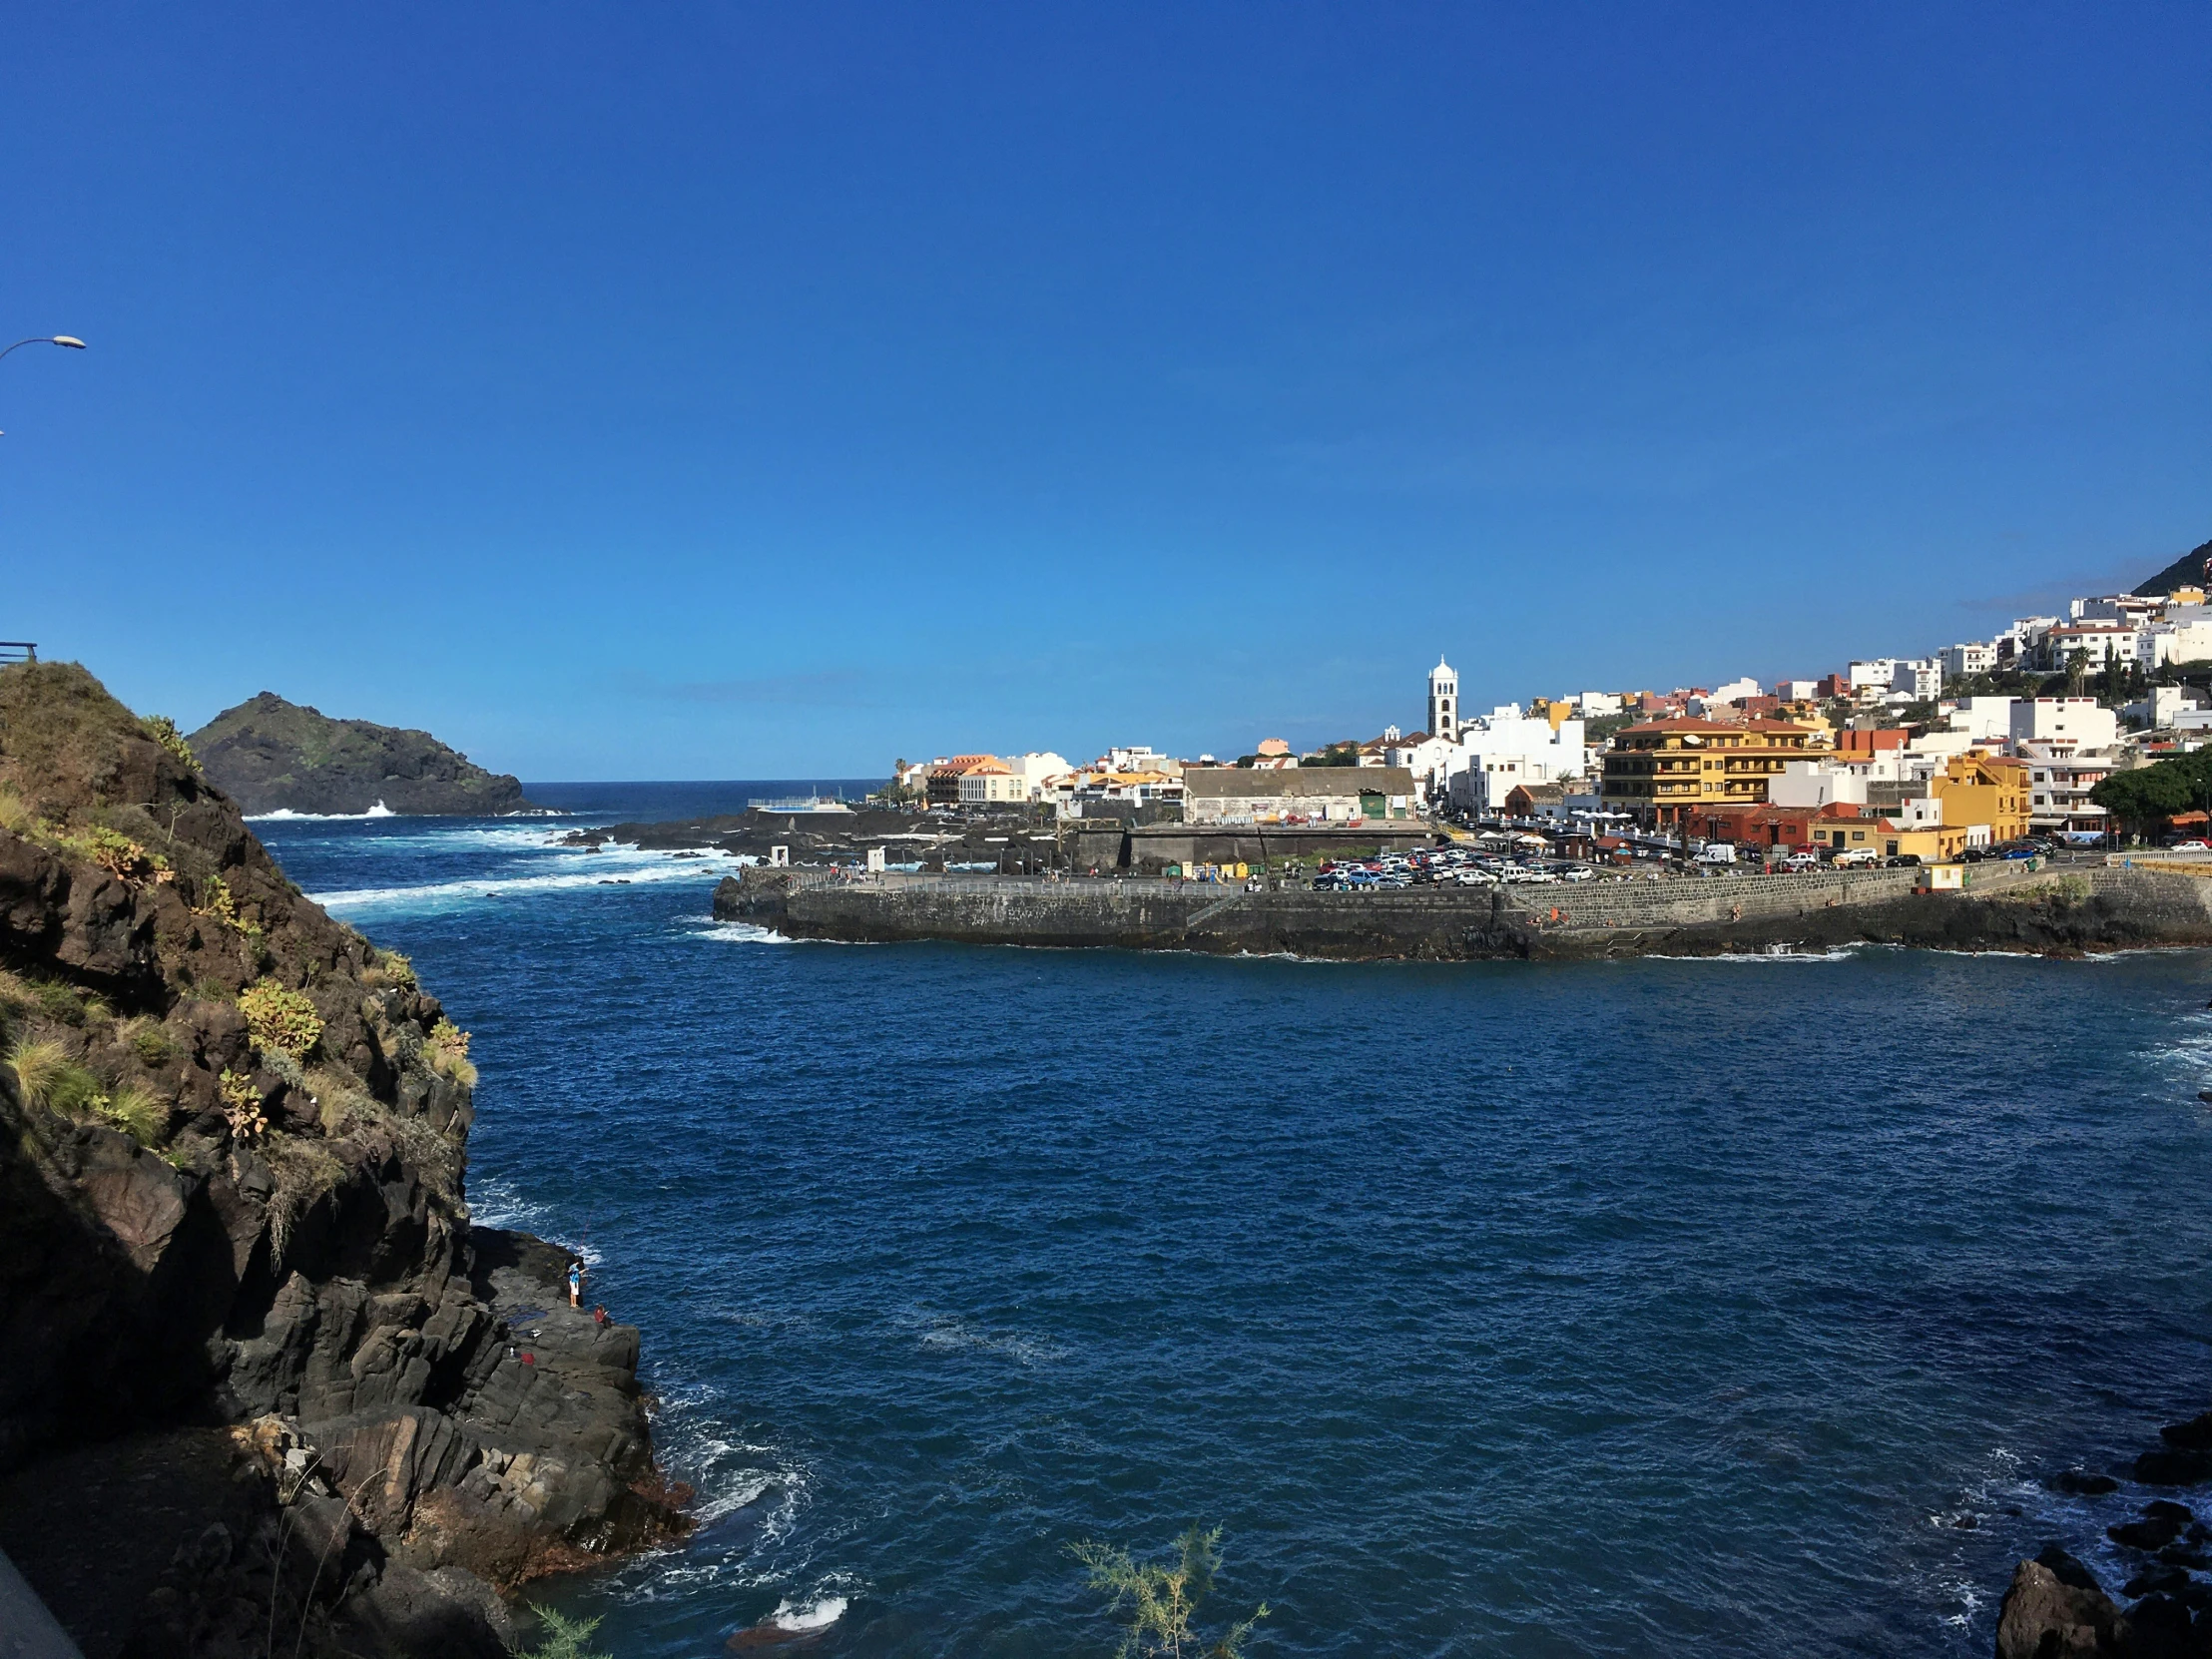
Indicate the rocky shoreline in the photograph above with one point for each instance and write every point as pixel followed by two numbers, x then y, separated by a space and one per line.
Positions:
pixel 236 1265
pixel 2055 1604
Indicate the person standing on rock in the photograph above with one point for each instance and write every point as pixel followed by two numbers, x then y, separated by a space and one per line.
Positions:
pixel 576 1281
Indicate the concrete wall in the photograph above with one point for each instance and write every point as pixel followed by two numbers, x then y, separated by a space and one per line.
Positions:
pixel 2079 910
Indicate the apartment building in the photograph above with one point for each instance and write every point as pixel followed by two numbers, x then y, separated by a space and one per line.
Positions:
pixel 1664 768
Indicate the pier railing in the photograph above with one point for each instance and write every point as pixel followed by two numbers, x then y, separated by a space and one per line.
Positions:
pixel 18 651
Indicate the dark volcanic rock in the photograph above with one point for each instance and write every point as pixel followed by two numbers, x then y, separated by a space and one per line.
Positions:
pixel 273 755
pixel 2081 1484
pixel 2167 1467
pixel 2045 1617
pixel 169 1260
pixel 2153 1533
pixel 2193 1435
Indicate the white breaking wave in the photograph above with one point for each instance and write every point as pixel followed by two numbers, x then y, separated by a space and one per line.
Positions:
pixel 447 894
pixel 738 932
pixel 818 1614
pixel 284 813
pixel 493 1203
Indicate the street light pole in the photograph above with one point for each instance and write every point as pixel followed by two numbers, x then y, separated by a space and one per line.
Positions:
pixel 71 341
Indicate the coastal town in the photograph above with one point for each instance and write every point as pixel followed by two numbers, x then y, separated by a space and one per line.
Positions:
pixel 1985 748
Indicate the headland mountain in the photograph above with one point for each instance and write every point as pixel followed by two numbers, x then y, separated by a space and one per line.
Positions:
pixel 272 755
pixel 259 1373
pixel 2186 572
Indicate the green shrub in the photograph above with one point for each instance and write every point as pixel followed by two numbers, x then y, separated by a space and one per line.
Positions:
pixel 216 902
pixel 388 967
pixel 242 1105
pixel 76 1092
pixel 164 731
pixel 36 1067
pixel 565 1637
pixel 281 1021
pixel 60 1004
pixel 117 855
pixel 152 1046
pixel 138 1113
pixel 1162 1601
pixel 448 1048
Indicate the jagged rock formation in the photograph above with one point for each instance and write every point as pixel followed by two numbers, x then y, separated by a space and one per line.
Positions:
pixel 231 1143
pixel 272 755
pixel 2186 572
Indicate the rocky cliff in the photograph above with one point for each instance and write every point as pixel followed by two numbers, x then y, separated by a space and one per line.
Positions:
pixel 2186 572
pixel 237 1268
pixel 272 755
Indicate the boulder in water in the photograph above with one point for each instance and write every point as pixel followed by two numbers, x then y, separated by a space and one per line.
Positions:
pixel 2046 1617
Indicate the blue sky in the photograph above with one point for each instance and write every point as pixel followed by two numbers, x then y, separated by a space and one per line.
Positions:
pixel 722 392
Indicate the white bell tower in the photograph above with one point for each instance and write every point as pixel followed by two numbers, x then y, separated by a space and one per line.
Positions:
pixel 1443 701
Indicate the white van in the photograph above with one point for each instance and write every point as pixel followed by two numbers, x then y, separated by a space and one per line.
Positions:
pixel 1717 852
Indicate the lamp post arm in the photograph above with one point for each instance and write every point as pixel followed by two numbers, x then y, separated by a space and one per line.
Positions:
pixel 46 339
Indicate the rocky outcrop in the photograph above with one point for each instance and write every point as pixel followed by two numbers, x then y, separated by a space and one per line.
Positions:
pixel 232 1136
pixel 2054 1609
pixel 273 755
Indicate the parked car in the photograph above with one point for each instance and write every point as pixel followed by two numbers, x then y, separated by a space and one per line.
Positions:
pixel 1856 857
pixel 2191 845
pixel 1796 863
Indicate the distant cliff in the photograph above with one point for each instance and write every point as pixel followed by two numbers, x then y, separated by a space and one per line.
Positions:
pixel 257 1371
pixel 272 755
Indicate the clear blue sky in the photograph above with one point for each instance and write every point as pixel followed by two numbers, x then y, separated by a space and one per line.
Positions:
pixel 657 393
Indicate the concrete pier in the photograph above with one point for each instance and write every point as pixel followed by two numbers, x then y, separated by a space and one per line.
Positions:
pixel 2064 911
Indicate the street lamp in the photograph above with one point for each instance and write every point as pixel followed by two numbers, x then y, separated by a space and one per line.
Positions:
pixel 69 340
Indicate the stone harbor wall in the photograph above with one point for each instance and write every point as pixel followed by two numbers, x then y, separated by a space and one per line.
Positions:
pixel 2017 909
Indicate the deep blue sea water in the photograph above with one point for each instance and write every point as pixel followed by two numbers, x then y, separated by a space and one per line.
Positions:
pixel 1732 1307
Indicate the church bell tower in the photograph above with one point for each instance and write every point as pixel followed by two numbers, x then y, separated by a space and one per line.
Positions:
pixel 1443 701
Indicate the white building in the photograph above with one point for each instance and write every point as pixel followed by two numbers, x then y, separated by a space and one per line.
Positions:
pixel 1970 657
pixel 1505 748
pixel 2060 777
pixel 2182 636
pixel 1736 691
pixel 2159 710
pixel 1443 701
pixel 1814 784
pixel 1983 718
pixel 990 783
pixel 1595 705
pixel 1430 760
pixel 1919 677
pixel 1797 691
pixel 1142 757
pixel 1876 673
pixel 1034 771
pixel 2074 721
pixel 2098 645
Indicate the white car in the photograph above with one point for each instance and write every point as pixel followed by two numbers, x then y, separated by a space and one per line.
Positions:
pixel 2191 846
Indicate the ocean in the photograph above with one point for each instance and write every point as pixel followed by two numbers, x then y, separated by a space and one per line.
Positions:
pixel 1740 1307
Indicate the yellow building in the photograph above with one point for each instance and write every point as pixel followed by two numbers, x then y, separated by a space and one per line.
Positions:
pixel 1666 768
pixel 1983 789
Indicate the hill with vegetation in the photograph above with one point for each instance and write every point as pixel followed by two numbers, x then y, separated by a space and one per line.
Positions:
pixel 257 1371
pixel 272 755
pixel 2186 572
